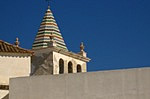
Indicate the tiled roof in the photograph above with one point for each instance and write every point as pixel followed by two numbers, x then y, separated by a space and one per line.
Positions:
pixel 9 48
pixel 48 28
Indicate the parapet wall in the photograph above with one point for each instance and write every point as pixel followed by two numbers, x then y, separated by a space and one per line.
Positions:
pixel 118 84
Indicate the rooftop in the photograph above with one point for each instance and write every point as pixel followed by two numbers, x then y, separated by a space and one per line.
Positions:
pixel 10 48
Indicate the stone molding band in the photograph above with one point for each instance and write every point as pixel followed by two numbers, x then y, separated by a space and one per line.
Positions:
pixel 4 87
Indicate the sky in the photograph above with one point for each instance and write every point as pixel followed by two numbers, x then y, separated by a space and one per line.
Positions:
pixel 116 33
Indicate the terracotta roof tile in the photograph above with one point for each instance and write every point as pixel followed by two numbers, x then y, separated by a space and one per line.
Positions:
pixel 9 48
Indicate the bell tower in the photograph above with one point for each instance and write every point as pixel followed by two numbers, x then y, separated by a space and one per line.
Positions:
pixel 51 55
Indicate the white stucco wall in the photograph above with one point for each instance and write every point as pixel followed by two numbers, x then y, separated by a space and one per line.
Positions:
pixel 3 93
pixel 13 66
pixel 67 59
pixel 118 84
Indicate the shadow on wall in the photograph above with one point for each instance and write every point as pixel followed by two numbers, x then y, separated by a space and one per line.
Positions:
pixel 6 97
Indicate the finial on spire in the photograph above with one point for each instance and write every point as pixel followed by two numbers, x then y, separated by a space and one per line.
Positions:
pixel 48 6
pixel 48 1
pixel 17 42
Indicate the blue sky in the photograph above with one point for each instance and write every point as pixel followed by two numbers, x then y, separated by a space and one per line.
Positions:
pixel 116 33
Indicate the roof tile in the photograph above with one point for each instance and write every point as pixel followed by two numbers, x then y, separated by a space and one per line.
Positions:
pixel 10 48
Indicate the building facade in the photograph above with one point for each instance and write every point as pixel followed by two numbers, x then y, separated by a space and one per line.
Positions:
pixel 14 62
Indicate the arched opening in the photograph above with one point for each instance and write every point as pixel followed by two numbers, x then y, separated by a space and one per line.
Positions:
pixel 61 66
pixel 70 67
pixel 79 69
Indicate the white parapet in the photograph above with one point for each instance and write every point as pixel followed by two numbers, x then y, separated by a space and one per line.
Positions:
pixel 3 93
pixel 118 84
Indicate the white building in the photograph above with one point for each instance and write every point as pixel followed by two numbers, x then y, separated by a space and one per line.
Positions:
pixel 14 62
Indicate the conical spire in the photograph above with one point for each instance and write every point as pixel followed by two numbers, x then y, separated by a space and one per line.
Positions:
pixel 48 28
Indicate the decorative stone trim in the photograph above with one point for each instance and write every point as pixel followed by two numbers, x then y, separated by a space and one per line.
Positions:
pixel 64 52
pixel 2 54
pixel 4 87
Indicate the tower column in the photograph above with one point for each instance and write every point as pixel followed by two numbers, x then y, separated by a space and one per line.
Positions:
pixel 84 67
pixel 65 66
pixel 55 65
pixel 74 67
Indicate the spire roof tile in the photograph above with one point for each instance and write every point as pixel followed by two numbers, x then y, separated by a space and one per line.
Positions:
pixel 48 28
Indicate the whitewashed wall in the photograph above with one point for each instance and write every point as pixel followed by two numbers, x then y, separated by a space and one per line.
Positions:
pixel 13 66
pixel 3 93
pixel 67 59
pixel 118 84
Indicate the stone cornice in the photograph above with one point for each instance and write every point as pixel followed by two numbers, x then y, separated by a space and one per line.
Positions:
pixel 64 52
pixel 4 87
pixel 15 54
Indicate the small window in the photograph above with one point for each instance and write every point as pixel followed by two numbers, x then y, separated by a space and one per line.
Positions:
pixel 70 68
pixel 79 69
pixel 61 66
